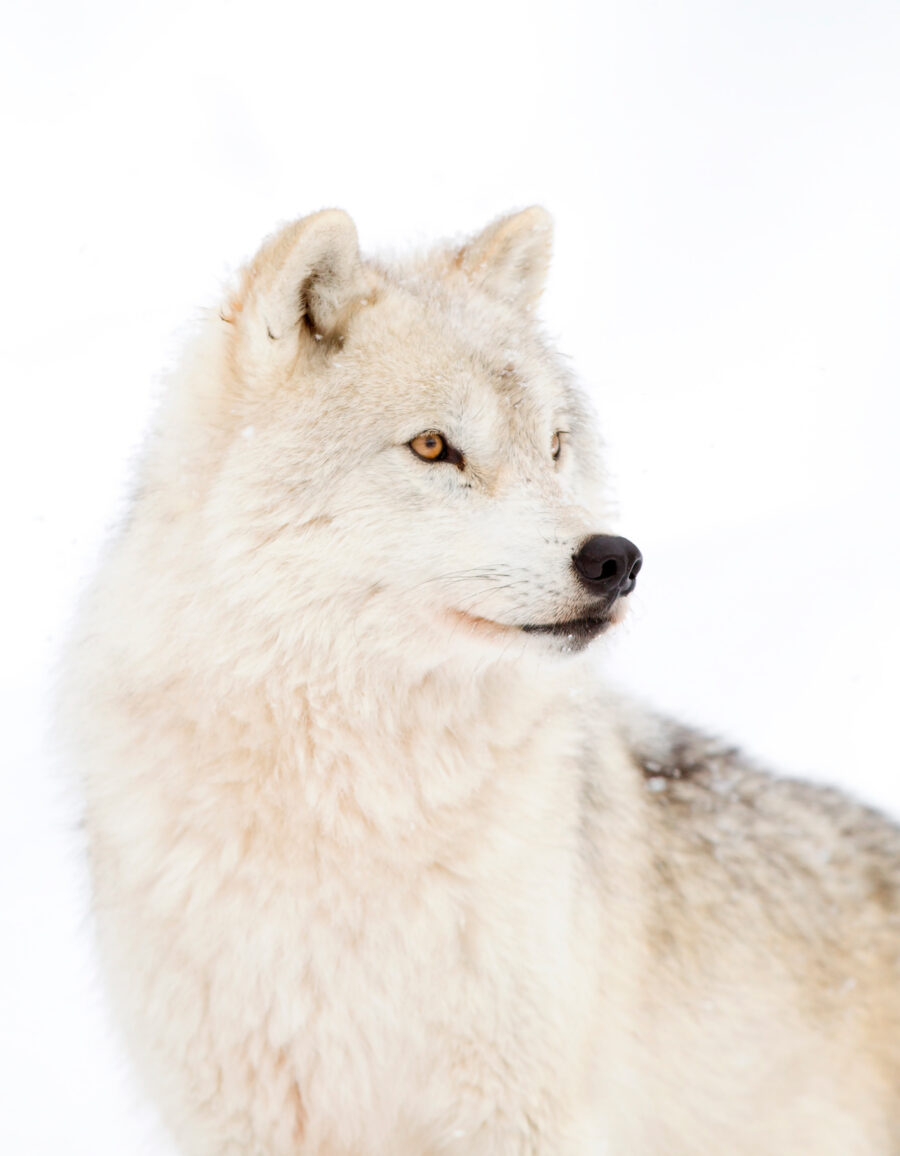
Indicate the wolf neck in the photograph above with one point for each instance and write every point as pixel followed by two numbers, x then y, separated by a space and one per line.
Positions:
pixel 393 755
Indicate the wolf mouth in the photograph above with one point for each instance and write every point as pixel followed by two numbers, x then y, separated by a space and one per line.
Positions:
pixel 577 630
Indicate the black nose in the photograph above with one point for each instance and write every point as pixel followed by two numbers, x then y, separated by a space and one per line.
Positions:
pixel 608 566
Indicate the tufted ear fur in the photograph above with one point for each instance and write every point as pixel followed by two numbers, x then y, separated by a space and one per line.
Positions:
pixel 301 286
pixel 510 258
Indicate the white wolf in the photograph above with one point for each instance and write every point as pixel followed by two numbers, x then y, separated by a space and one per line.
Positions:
pixel 379 868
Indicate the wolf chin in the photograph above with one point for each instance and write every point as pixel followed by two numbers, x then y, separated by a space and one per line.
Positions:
pixel 380 868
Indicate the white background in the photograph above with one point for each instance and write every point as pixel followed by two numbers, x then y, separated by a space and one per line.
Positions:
pixel 726 184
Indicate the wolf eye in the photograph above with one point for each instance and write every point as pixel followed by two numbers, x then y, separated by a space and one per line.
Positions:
pixel 555 446
pixel 432 446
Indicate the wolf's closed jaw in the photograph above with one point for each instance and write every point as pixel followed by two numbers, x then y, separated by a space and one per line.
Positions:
pixel 576 633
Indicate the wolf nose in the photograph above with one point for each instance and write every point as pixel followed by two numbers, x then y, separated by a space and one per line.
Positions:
pixel 607 565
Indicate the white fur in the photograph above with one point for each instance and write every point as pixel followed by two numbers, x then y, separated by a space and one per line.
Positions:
pixel 376 871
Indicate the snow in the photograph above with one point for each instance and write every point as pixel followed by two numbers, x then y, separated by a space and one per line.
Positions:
pixel 724 181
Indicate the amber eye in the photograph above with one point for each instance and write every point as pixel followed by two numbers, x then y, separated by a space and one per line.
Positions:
pixel 429 446
pixel 432 446
pixel 555 446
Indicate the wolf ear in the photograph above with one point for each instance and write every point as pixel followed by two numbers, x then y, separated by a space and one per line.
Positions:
pixel 510 258
pixel 305 277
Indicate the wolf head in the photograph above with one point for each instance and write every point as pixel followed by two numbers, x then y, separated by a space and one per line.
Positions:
pixel 389 457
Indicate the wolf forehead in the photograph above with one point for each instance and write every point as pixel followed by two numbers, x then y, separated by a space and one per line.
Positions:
pixel 440 327
pixel 427 363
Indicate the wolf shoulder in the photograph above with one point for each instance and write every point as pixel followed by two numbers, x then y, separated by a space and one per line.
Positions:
pixel 763 921
pixel 797 882
pixel 711 804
